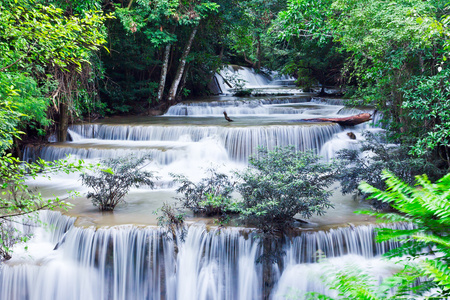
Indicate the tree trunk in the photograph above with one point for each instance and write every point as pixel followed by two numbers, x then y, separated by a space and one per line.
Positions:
pixel 346 121
pixel 183 82
pixel 252 64
pixel 257 65
pixel 162 81
pixel 17 150
pixel 179 74
pixel 63 122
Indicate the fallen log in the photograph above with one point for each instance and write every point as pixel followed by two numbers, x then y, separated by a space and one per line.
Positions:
pixel 345 121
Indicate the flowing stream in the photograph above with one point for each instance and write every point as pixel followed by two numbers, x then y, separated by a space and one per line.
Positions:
pixel 84 254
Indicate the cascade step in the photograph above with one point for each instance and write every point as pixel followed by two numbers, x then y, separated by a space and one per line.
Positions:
pixel 129 262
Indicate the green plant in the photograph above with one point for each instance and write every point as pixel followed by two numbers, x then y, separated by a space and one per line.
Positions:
pixel 242 92
pixel 427 100
pixel 9 120
pixel 210 196
pixel 282 183
pixel 352 282
pixel 428 207
pixel 17 199
pixel 424 250
pixel 115 178
pixel 172 220
pixel 373 155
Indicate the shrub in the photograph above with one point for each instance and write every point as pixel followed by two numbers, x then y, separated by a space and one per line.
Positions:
pixel 282 183
pixel 427 206
pixel 211 196
pixel 172 221
pixel 114 181
pixel 242 92
pixel 373 156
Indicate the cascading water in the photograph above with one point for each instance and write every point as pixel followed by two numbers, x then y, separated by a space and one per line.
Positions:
pixel 233 77
pixel 239 107
pixel 238 142
pixel 110 260
pixel 128 262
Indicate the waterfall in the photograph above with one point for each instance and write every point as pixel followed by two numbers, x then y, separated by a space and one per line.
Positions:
pixel 129 262
pixel 328 101
pixel 246 109
pixel 298 279
pixel 238 142
pixel 132 262
pixel 51 153
pixel 350 111
pixel 238 107
pixel 233 77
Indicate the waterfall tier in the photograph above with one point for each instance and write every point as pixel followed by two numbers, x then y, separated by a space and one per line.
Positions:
pixel 232 77
pixel 238 107
pixel 239 142
pixel 129 262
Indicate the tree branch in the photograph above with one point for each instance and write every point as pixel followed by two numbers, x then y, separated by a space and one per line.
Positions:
pixel 12 64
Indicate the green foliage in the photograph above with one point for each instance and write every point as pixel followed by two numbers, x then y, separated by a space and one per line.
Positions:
pixel 353 283
pixel 374 155
pixel 428 100
pixel 242 92
pixel 45 57
pixel 376 27
pixel 152 18
pixel 9 120
pixel 394 46
pixel 43 35
pixel 29 103
pixel 172 221
pixel 211 196
pixel 126 83
pixel 278 185
pixel 308 50
pixel 395 55
pixel 160 24
pixel 302 18
pixel 428 207
pixel 249 41
pixel 112 181
pixel 424 250
pixel 281 183
pixel 17 199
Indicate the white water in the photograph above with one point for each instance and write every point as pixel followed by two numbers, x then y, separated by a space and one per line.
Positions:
pixel 234 77
pixel 128 262
pixel 136 261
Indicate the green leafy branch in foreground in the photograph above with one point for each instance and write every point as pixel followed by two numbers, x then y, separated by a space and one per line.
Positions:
pixel 352 282
pixel 424 250
pixel 427 206
pixel 18 199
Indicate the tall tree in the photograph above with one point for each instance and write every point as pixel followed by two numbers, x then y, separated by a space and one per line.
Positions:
pixel 159 21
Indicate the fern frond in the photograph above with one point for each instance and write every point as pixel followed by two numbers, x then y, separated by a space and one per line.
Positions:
pixel 316 296
pixel 386 234
pixel 438 270
pixel 443 241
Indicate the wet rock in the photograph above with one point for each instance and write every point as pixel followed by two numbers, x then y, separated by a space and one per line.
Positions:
pixel 351 135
